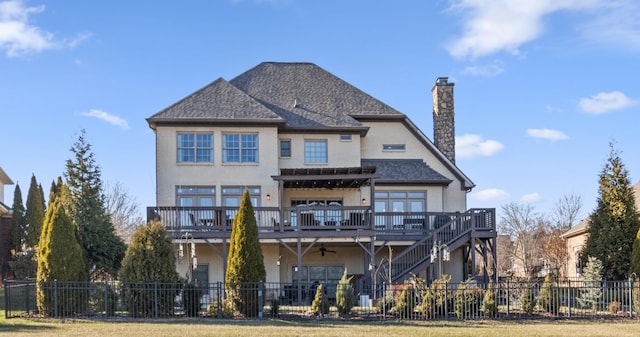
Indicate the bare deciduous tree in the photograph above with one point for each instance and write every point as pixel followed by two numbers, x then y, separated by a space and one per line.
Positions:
pixel 567 211
pixel 123 210
pixel 523 225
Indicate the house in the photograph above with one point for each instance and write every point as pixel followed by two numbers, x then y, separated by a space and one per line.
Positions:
pixel 5 226
pixel 576 238
pixel 338 179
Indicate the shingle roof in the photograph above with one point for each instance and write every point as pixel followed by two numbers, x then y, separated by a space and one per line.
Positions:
pixel 398 171
pixel 218 101
pixel 299 95
pixel 309 96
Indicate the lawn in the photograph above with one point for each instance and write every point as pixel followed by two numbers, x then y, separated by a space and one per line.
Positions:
pixel 214 327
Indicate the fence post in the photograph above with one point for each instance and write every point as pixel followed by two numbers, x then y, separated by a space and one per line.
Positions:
pixel 630 297
pixel 106 298
pixel 260 304
pixel 219 299
pixel 155 299
pixel 55 298
pixel 6 298
pixel 569 292
pixel 384 301
pixel 446 300
pixel 508 298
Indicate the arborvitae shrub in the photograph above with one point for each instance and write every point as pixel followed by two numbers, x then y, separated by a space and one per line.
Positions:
pixel 468 298
pixel 320 304
pixel 549 297
pixel 245 263
pixel 527 301
pixel 489 306
pixel 345 295
pixel 437 298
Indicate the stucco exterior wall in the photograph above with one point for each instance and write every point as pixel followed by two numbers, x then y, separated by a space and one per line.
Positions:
pixel 171 174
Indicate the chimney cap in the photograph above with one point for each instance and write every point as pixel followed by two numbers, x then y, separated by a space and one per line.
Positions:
pixel 443 81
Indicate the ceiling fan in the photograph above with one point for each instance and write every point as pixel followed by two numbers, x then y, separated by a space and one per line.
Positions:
pixel 323 250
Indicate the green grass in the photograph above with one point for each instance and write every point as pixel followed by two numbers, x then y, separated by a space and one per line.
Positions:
pixel 209 327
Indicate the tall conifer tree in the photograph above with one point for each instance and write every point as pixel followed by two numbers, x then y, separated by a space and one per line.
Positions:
pixel 245 263
pixel 614 223
pixel 34 215
pixel 102 249
pixel 18 223
pixel 59 256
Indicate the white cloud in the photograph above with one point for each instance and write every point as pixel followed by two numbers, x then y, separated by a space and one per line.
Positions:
pixel 490 194
pixel 548 134
pixel 107 117
pixel 469 146
pixel 531 197
pixel 604 102
pixel 17 36
pixel 492 26
pixel 617 22
pixel 490 70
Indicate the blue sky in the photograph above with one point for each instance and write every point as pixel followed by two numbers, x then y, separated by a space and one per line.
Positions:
pixel 541 86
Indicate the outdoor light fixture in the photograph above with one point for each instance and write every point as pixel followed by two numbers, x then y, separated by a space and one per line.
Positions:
pixel 364 201
pixel 187 239
pixel 278 261
pixel 268 196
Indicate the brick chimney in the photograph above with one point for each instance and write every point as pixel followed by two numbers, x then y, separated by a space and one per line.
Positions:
pixel 444 130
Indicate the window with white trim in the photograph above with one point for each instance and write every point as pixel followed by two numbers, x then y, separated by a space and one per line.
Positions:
pixel 240 148
pixel 195 147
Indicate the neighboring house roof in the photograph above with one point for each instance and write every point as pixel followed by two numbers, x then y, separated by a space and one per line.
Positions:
pixel 409 171
pixel 4 209
pixel 4 178
pixel 579 229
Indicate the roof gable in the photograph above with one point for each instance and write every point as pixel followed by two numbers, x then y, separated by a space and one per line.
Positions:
pixel 218 101
pixel 405 171
pixel 309 96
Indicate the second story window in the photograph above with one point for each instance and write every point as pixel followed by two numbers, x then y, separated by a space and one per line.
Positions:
pixel 285 148
pixel 240 148
pixel 195 148
pixel 393 147
pixel 315 151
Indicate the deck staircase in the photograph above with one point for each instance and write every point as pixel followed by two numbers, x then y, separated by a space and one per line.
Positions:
pixel 455 233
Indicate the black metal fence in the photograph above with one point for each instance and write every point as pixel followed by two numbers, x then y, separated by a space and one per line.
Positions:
pixel 440 300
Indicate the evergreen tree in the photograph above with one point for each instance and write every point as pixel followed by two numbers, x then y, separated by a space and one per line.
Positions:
pixel 34 215
pixel 549 295
pixel 592 275
pixel 18 222
pixel 614 223
pixel 59 258
pixel 149 258
pixel 635 257
pixel 102 249
pixel 345 295
pixel 320 304
pixel 245 263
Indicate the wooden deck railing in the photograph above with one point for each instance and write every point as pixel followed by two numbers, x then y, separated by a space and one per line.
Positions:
pixel 336 218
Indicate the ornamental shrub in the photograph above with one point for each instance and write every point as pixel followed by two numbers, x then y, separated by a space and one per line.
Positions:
pixel 489 306
pixel 320 304
pixel 406 302
pixel 527 301
pixel 468 298
pixel 549 298
pixel 345 295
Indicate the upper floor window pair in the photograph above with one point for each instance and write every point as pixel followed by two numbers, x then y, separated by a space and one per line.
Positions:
pixel 236 147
